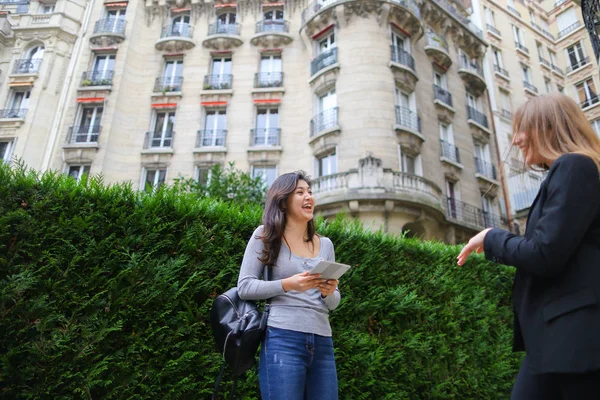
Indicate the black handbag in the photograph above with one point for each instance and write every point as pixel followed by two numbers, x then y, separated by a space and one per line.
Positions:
pixel 238 326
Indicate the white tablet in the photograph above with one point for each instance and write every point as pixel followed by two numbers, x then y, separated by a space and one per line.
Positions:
pixel 330 269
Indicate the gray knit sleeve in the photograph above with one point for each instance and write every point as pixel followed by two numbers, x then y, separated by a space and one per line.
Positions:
pixel 250 285
pixel 333 300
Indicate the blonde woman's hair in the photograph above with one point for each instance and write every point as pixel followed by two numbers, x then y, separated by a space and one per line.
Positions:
pixel 555 125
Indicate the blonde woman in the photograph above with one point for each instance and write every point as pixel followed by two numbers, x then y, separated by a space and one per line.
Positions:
pixel 556 292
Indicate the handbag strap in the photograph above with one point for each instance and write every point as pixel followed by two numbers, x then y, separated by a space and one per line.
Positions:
pixel 268 276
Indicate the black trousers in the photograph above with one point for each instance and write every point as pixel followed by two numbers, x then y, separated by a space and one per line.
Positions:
pixel 555 386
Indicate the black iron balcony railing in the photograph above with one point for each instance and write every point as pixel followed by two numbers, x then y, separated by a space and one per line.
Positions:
pixel 459 211
pixel 442 95
pixel 451 9
pixel 435 40
pixel 472 66
pixel 559 70
pixel 410 5
pixel 268 79
pixel 493 29
pixel 159 139
pixel 83 134
pixel 211 137
pixel 590 101
pixel 578 64
pixel 327 119
pixel 217 82
pixel 500 70
pixel 97 78
pixel 323 60
pixel 519 46
pixel 13 113
pixel 265 136
pixel 110 25
pixel 590 10
pixel 449 151
pixel 408 118
pixel 477 116
pixel 177 30
pixel 269 25
pixel 530 87
pixel 545 62
pixel 167 84
pixel 27 66
pixel 224 29
pixel 514 11
pixel 485 168
pixel 315 6
pixel 506 114
pixel 401 56
pixel 569 29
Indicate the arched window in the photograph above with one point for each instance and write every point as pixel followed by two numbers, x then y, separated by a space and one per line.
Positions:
pixel 181 25
pixel 32 60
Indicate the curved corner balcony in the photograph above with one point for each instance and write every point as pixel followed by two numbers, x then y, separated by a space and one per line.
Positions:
pixel 472 74
pixel 325 122
pixel 437 50
pixel 223 36
pixel 271 33
pixel 408 122
pixel 403 67
pixel 443 98
pixel 324 62
pixel 175 38
pixel 406 13
pixel 108 32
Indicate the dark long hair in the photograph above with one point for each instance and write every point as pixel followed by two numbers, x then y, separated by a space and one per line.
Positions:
pixel 274 218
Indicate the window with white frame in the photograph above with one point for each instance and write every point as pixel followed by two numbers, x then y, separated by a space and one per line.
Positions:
pixel 487 207
pixel 439 79
pixel 540 50
pixel 586 91
pixel 548 85
pixel 490 18
pixel 224 20
pixel 497 58
pixel 32 60
pixel 326 164
pixel 266 132
pixel 327 111
pixel 576 56
pixel 270 71
pixel 215 128
pixel 446 133
pixel 271 13
pixel 410 163
pixel 448 150
pixel 473 101
pixel 327 42
pixel 77 171
pixel 6 149
pixel 595 126
pixel 115 20
pixel 268 173
pixel 400 41
pixel 532 16
pixel 46 8
pixel 18 103
pixel 103 70
pixel 566 19
pixel 526 73
pixel 153 178
pixel 161 134
pixel 510 3
pixel 203 174
pixel 552 56
pixel 87 127
pixel 452 198
pixel 180 25
pixel 483 159
pixel 220 77
pixel 505 101
pixel 172 75
pixel 518 35
pixel 406 109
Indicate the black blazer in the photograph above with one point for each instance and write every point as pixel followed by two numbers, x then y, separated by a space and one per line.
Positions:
pixel 556 291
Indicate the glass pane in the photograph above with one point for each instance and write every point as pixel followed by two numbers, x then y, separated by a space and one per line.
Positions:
pixel 261 119
pixel 221 120
pixel 209 123
pixel 273 118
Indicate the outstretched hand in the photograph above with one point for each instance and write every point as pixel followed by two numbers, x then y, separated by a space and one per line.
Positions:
pixel 475 244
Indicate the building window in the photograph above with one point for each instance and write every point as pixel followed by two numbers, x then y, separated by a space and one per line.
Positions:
pixel 552 57
pixel 87 127
pixel 215 128
pixel 439 79
pixel 115 20
pixel 560 89
pixel 532 17
pixel 226 19
pixel 271 74
pixel 266 173
pixel 17 106
pixel 220 77
pixel 46 8
pixel 487 208
pixel 483 160
pixel 6 149
pixel 497 58
pixel 77 171
pixel 526 73
pixel 203 174
pixel 540 50
pixel 452 197
pixel 566 21
pixel 172 76
pixel 327 43
pixel 490 18
pixel 400 41
pixel 505 103
pixel 153 179
pixel 518 35
pixel 161 134
pixel 326 164
pixel 266 132
pixel 180 26
pixel 595 126
pixel 31 62
pixel 448 150
pixel 102 71
pixel 586 91
pixel 548 84
pixel 410 163
pixel 576 56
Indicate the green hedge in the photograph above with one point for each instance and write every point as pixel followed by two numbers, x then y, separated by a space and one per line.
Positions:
pixel 105 294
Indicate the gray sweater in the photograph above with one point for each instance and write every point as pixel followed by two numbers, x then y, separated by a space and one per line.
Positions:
pixel 304 312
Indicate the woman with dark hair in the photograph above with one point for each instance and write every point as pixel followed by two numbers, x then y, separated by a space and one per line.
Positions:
pixel 556 292
pixel 296 356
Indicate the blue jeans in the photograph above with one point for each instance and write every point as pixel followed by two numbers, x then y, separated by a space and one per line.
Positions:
pixel 296 366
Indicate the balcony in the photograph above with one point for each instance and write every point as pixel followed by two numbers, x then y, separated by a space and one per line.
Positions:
pixel 159 141
pixel 268 80
pixel 324 122
pixel 579 64
pixel 223 36
pixel 557 70
pixel 501 72
pixel 265 137
pixel 175 38
pixel 437 50
pixel 403 68
pixel 325 60
pixel 442 99
pixel 461 18
pixel 492 29
pixel 97 78
pixel 407 120
pixel 108 32
pixel 522 49
pixel 217 82
pixel 27 66
pixel 83 136
pixel 472 75
pixel 13 113
pixel 523 188
pixel 168 84
pixel 571 28
pixel 471 216
pixel 477 119
pixel 530 88
pixel 449 152
pixel 545 63
pixel 590 102
pixel 514 11
pixel 485 170
pixel 211 138
pixel 271 33
pixel 543 31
